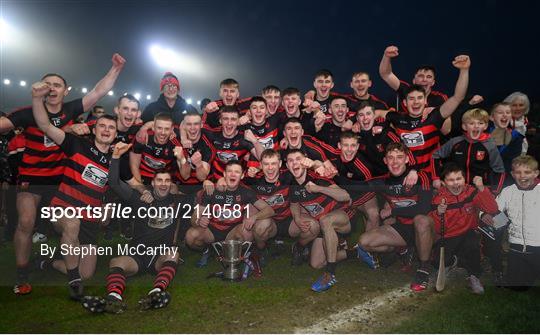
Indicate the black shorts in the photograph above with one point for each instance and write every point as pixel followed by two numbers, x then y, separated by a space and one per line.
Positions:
pixel 406 231
pixel 145 262
pixel 88 232
pixel 220 235
pixel 283 227
pixel 40 185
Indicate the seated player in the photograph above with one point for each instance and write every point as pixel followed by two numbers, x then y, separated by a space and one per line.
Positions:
pixel 408 207
pixel 420 127
pixel 520 204
pixel 84 183
pixel 320 198
pixel 457 205
pixel 149 232
pixel 509 141
pixel 226 215
pixel 475 152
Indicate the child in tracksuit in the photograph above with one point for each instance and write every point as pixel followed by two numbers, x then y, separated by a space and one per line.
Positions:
pixel 509 141
pixel 474 151
pixel 457 206
pixel 521 203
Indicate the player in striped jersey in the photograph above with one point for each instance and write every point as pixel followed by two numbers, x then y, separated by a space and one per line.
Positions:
pixel 82 188
pixel 41 167
pixel 421 128
pixel 229 92
pixel 320 199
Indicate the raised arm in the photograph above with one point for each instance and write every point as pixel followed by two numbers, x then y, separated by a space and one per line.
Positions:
pixel 39 91
pixel 385 67
pixel 105 84
pixel 463 63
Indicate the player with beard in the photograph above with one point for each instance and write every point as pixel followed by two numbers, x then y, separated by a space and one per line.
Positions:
pixel 226 215
pixel 230 144
pixel 330 131
pixel 420 129
pixel 160 153
pixel 84 183
pixel 41 165
pixel 149 232
pixel 229 92
pixel 406 210
pixel 320 198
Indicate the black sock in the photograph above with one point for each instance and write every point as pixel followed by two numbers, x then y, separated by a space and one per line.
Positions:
pixel 73 275
pixel 424 266
pixel 331 267
pixel 22 274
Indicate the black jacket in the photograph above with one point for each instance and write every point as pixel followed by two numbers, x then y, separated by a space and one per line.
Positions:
pixel 177 112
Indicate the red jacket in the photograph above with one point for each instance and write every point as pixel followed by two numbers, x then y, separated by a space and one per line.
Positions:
pixel 462 211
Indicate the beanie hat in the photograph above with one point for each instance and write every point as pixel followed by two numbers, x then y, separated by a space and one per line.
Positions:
pixel 168 78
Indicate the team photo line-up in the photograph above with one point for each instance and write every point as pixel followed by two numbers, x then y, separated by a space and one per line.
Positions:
pixel 433 171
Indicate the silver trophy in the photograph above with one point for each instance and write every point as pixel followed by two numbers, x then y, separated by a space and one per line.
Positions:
pixel 231 257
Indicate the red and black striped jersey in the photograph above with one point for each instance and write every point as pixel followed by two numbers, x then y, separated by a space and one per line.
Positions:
pixel 268 133
pixel 85 175
pixel 225 150
pixel 422 136
pixel 354 103
pixel 155 156
pixel 211 120
pixel 316 204
pixel 329 133
pixel 406 202
pixel 193 184
pixel 434 99
pixel 216 206
pixel 353 176
pixel 311 147
pixel 42 157
pixel 373 146
pixel 276 195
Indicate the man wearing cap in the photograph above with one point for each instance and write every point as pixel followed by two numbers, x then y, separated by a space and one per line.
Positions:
pixel 169 102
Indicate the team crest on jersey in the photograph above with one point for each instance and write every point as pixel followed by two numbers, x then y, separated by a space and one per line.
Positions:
pixel 468 208
pixel 227 156
pixel 349 175
pixel 94 175
pixel 267 143
pixel 154 164
pixel 160 223
pixel 275 200
pixel 480 155
pixel 413 139
pixel 396 189
pixel 47 142
pixel 380 147
pixel 404 203
pixel 314 209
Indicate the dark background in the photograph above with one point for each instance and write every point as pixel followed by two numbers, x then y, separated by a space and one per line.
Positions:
pixel 269 42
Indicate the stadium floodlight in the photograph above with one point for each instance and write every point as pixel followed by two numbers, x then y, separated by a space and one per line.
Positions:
pixel 148 97
pixel 7 81
pixel 84 90
pixel 171 60
pixel 199 102
pixel 189 101
pixel 22 83
pixel 137 96
pixel 110 93
pixel 4 31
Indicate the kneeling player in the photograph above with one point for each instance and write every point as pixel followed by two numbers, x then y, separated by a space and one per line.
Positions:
pixel 409 206
pixel 228 214
pixel 458 205
pixel 151 233
pixel 320 198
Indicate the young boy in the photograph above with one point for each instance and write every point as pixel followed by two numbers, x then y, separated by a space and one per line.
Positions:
pixel 475 152
pixel 508 141
pixel 458 204
pixel 520 202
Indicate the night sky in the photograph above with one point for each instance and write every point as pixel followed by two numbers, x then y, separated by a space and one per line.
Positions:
pixel 268 42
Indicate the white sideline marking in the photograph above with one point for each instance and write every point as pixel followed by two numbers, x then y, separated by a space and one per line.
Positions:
pixel 360 313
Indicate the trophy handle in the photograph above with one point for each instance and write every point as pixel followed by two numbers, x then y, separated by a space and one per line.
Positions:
pixel 215 245
pixel 247 249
